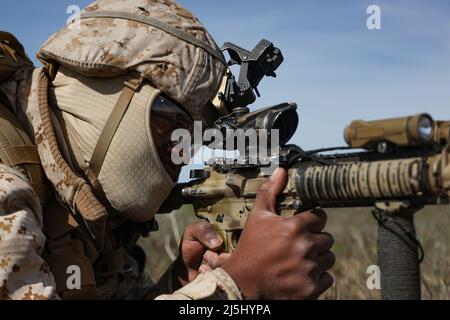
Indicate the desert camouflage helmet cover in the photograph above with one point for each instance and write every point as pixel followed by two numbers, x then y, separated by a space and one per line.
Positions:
pixel 158 38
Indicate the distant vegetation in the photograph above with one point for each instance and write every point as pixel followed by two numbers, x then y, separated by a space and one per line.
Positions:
pixel 355 233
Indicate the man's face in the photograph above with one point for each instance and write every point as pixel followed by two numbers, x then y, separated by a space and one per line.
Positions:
pixel 166 117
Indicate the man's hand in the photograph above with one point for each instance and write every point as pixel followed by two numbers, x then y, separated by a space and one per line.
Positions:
pixel 200 241
pixel 279 257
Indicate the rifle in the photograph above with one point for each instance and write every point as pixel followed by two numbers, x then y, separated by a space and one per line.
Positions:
pixel 396 166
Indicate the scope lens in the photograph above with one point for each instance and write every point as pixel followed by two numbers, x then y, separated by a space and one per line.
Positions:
pixel 425 128
pixel 287 123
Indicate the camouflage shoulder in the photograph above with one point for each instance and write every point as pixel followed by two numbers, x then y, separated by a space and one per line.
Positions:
pixel 16 192
pixel 9 171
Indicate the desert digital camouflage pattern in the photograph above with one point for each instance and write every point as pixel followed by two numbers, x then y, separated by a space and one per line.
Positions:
pixel 168 46
pixel 24 274
pixel 160 39
pixel 214 285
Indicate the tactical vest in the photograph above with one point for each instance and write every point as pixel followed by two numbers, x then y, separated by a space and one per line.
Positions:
pixel 69 241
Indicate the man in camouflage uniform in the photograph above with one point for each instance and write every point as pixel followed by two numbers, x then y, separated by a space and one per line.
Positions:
pixel 89 220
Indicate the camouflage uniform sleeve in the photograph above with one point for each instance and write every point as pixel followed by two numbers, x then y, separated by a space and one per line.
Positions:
pixel 24 275
pixel 214 285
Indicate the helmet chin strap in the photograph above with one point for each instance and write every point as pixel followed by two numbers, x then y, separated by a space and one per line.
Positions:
pixel 130 87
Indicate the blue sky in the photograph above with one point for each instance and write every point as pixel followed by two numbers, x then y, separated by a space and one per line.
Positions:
pixel 335 68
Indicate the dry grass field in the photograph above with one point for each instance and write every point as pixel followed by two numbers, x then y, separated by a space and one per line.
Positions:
pixel 355 232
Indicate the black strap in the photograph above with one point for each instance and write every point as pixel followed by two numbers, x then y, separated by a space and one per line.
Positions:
pixel 407 235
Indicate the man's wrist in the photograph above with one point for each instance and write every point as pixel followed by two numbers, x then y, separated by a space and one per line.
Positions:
pixel 248 292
